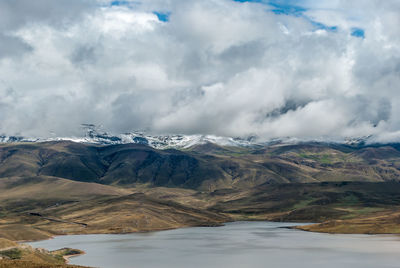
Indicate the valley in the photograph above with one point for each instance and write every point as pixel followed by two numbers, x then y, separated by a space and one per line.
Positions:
pixel 58 188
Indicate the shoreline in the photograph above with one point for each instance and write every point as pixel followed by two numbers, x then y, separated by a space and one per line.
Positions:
pixel 291 226
pixel 297 227
pixel 134 232
pixel 67 257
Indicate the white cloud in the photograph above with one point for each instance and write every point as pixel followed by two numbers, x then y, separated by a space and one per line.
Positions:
pixel 216 67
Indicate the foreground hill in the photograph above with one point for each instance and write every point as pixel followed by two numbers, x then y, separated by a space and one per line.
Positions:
pixel 30 211
pixel 34 208
pixel 19 255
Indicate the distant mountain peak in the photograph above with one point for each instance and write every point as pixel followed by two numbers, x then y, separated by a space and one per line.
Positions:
pixel 358 141
pixel 94 135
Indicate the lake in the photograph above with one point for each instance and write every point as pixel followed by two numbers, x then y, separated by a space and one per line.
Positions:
pixel 238 244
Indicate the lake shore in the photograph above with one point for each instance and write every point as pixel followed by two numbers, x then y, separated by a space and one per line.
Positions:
pixel 332 227
pixel 249 240
pixel 354 226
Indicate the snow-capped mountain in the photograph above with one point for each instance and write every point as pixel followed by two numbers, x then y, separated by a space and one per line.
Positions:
pixel 94 136
pixel 359 141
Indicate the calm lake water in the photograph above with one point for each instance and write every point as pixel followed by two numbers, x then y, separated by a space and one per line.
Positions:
pixel 239 244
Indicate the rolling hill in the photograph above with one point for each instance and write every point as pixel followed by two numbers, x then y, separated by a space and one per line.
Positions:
pixel 63 187
pixel 203 167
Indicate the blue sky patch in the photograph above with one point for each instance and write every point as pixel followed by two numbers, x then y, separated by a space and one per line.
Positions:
pixel 251 1
pixel 281 8
pixel 289 7
pixel 358 32
pixel 119 3
pixel 162 16
pixel 322 26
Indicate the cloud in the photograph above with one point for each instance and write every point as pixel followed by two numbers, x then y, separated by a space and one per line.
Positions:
pixel 11 46
pixel 213 67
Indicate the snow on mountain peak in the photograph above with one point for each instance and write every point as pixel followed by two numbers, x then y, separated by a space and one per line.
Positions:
pixel 95 136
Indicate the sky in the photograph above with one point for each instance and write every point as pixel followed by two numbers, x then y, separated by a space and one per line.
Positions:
pixel 326 69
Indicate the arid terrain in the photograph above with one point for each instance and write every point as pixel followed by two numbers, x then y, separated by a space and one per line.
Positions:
pixel 58 188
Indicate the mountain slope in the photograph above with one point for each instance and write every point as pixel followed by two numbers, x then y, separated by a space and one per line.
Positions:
pixel 126 164
pixel 206 167
pixel 35 208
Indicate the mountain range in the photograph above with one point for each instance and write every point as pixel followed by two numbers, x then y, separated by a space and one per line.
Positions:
pixel 94 135
pixel 202 166
pixel 136 182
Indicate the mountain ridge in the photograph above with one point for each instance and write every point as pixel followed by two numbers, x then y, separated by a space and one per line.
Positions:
pixel 203 166
pixel 94 135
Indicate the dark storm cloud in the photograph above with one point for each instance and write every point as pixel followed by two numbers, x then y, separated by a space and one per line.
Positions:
pixel 17 13
pixel 11 46
pixel 83 54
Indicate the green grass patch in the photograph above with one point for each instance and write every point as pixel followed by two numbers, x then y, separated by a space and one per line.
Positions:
pixel 14 253
pixel 327 158
pixel 302 204
pixel 349 200
pixel 360 211
pixel 66 252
